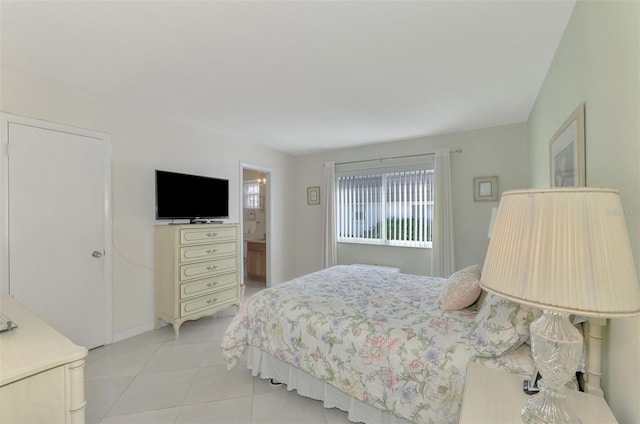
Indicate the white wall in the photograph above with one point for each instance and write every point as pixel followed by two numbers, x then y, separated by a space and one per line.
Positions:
pixel 598 62
pixel 499 151
pixel 140 144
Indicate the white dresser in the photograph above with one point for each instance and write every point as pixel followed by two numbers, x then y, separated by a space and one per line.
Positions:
pixel 41 371
pixel 196 271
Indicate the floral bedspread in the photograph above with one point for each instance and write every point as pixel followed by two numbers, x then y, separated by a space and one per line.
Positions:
pixel 380 337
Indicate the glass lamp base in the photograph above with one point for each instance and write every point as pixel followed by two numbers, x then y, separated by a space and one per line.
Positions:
pixel 545 409
pixel 556 346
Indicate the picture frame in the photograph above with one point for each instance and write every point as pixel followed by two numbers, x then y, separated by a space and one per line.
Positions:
pixel 485 189
pixel 313 195
pixel 567 152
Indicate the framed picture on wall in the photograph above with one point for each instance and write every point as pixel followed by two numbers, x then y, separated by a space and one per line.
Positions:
pixel 313 195
pixel 567 152
pixel 485 188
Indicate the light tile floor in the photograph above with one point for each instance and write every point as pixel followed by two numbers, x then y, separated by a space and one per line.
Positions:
pixel 153 378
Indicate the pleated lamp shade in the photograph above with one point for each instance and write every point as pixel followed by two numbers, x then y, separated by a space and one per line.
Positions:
pixel 566 249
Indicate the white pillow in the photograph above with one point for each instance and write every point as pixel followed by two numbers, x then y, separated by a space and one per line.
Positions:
pixel 463 289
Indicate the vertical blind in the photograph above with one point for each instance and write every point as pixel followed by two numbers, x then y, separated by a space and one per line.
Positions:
pixel 393 208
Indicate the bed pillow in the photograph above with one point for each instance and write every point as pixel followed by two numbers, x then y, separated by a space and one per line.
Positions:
pixel 501 326
pixel 462 290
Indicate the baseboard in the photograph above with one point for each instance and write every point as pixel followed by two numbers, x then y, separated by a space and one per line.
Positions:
pixel 133 332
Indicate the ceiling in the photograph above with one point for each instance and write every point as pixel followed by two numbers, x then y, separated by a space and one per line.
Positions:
pixel 297 76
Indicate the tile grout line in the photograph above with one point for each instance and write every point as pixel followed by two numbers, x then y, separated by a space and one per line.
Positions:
pixel 106 414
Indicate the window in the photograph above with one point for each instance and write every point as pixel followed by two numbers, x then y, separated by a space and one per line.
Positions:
pixel 252 195
pixel 403 201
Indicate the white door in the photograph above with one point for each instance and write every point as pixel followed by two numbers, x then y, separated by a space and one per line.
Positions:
pixel 56 228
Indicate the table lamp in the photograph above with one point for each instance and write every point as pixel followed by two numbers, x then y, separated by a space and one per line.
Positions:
pixel 565 251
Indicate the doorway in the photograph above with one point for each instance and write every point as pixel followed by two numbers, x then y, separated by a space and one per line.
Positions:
pixel 256 224
pixel 57 226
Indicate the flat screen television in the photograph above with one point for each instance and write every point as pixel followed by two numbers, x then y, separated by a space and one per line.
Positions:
pixel 194 197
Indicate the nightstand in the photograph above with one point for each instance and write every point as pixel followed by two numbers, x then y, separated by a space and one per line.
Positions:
pixel 493 396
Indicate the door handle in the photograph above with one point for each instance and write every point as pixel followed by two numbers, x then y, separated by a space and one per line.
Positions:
pixel 96 254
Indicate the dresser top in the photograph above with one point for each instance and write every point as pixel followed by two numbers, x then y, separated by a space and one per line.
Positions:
pixel 199 225
pixel 32 347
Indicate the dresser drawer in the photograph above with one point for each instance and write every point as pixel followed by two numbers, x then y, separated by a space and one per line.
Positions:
pixel 208 251
pixel 200 287
pixel 206 269
pixel 190 307
pixel 204 235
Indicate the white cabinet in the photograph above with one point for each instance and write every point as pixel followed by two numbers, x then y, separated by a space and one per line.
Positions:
pixel 196 271
pixel 41 371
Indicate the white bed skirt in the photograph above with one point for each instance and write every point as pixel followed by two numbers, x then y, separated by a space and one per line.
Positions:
pixel 266 366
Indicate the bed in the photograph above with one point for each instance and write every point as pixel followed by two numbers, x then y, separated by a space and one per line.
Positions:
pixel 376 343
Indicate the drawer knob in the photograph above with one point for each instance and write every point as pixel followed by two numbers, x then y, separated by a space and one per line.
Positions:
pixel 211 251
pixel 211 267
pixel 214 300
pixel 212 234
pixel 212 284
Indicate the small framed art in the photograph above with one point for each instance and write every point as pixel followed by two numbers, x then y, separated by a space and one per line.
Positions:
pixel 313 195
pixel 485 188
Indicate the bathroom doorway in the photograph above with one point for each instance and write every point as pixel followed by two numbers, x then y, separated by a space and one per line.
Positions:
pixel 255 224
